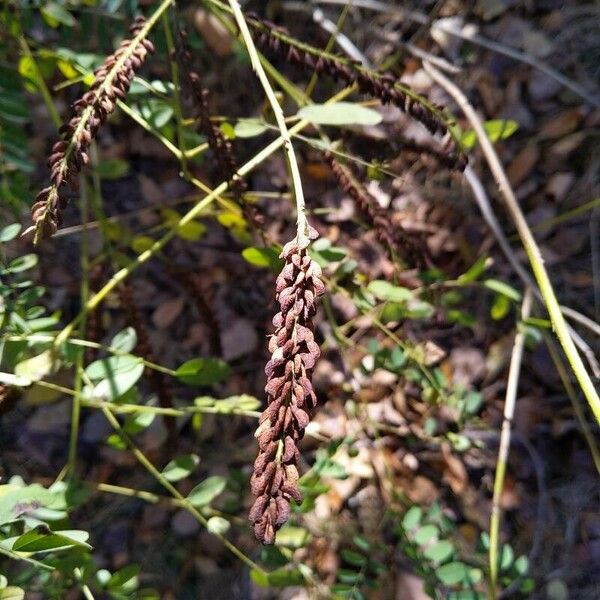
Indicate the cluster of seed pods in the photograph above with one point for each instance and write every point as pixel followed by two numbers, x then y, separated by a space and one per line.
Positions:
pixel 290 394
pixel 378 85
pixel 90 112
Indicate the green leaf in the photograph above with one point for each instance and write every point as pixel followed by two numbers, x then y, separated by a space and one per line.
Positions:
pixel 293 537
pixel 10 379
pixel 500 307
pixel 521 565
pixel 425 534
pixel 386 291
pixel 503 288
pixel 506 557
pixel 204 493
pixel 439 552
pixel 263 257
pixel 203 371
pixel 16 501
pixel 42 539
pixel 125 340
pixel 22 263
pixel 412 518
pixel 9 232
pixel 115 375
pixel 35 368
pixel 13 110
pixel 260 578
pixel 339 113
pixel 248 128
pixel 127 577
pixel 324 253
pixel 496 129
pixel 55 14
pixel 180 467
pixel 475 270
pixel 138 422
pixel 472 403
pixel 12 593
pixel 285 577
pixel 218 525
pixel 452 573
pixel 113 168
pixel 192 231
pixel 354 558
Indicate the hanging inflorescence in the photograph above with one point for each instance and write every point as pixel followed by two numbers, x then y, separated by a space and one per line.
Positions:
pixel 220 146
pixel 383 86
pixel 70 154
pixel 393 237
pixel 290 395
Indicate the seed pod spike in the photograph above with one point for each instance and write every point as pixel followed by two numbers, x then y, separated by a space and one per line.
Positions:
pixel 70 154
pixel 275 474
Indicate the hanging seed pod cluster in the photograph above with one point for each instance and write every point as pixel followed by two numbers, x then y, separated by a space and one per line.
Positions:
pixel 70 154
pixel 383 86
pixel 392 237
pixel 220 146
pixel 290 394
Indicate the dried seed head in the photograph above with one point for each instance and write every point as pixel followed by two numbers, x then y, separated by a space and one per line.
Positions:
pixel 289 391
pixel 380 85
pixel 393 237
pixel 70 154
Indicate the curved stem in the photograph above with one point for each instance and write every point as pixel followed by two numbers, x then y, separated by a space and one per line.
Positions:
pixel 302 236
pixel 531 248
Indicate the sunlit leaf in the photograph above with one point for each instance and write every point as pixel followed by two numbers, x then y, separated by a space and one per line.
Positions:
pixel 203 371
pixel 180 467
pixel 204 493
pixel 339 113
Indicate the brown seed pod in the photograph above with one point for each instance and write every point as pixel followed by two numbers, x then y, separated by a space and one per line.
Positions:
pixel 393 237
pixel 70 154
pixel 384 86
pixel 220 146
pixel 290 396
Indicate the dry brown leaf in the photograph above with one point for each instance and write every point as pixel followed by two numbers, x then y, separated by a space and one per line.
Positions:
pixel 214 32
pixel 562 124
pixel 165 314
pixel 455 474
pixel 522 164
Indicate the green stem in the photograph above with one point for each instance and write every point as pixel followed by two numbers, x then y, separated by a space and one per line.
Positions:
pixel 121 275
pixel 32 561
pixel 147 464
pixel 39 80
pixel 177 97
pixel 531 248
pixel 39 337
pixel 84 295
pixel 302 223
pixel 147 127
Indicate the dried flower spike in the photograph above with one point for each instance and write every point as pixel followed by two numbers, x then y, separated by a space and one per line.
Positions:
pixel 70 154
pixel 384 86
pixel 290 395
pixel 393 237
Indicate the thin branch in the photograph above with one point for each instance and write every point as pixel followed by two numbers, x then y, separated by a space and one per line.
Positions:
pixel 193 213
pixel 302 235
pixel 488 214
pixel 142 458
pixel 531 248
pixel 509 412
